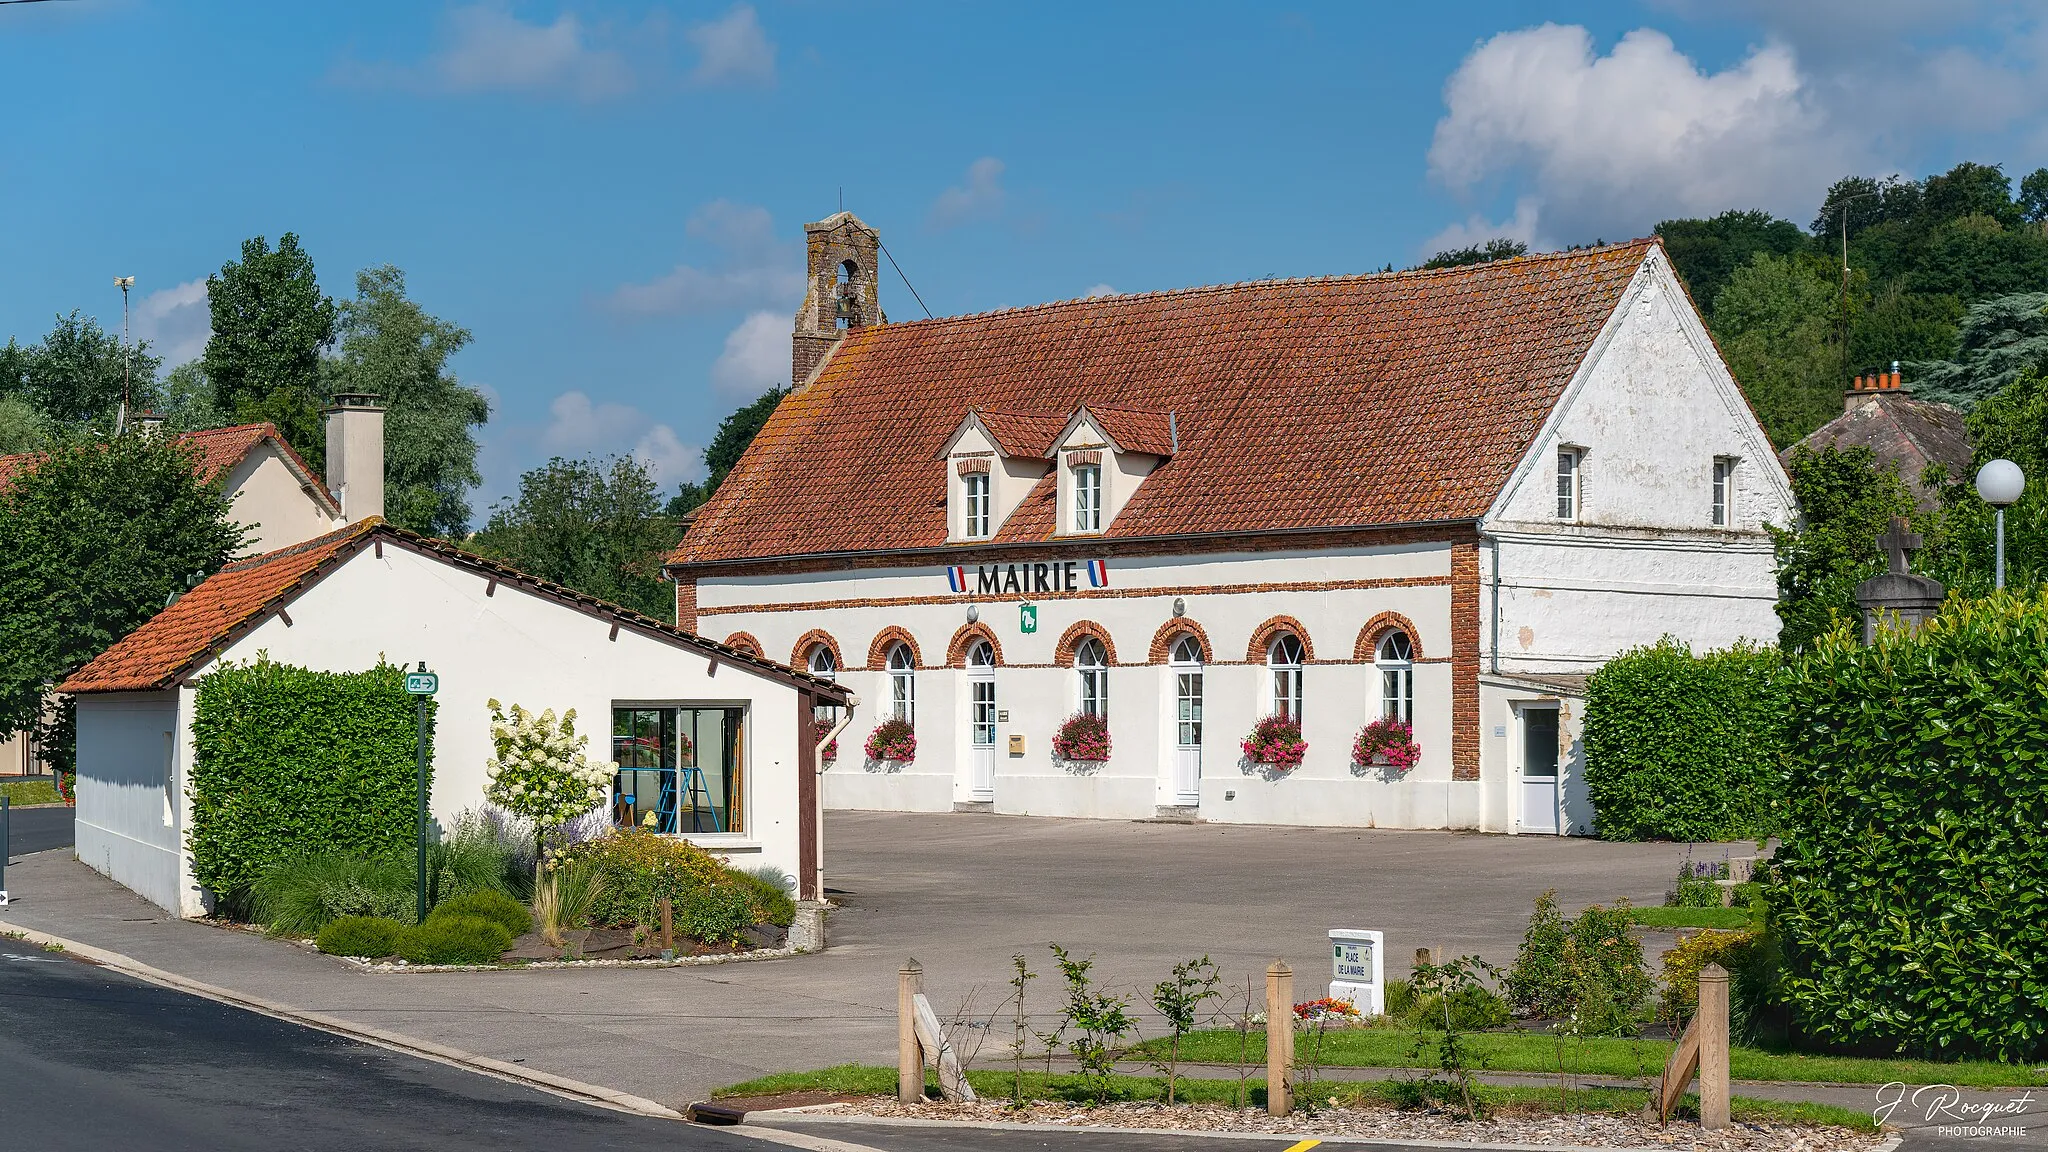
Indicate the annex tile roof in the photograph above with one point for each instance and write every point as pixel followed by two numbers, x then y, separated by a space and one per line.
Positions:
pixel 1899 429
pixel 242 595
pixel 218 451
pixel 1023 434
pixel 1137 429
pixel 1334 402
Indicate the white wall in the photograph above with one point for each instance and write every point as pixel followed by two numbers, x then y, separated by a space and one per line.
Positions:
pixel 522 648
pixel 1228 595
pixel 1500 755
pixel 268 495
pixel 130 791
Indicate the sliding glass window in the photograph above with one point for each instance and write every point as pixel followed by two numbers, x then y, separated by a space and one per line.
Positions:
pixel 682 768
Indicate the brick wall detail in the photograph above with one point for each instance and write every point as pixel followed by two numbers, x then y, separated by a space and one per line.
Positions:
pixel 1465 661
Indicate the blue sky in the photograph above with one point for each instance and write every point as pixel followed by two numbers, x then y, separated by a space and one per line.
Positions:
pixel 611 195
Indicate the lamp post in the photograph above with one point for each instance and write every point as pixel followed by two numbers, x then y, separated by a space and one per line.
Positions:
pixel 2000 483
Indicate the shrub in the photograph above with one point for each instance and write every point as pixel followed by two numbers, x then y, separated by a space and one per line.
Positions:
pixel 297 896
pixel 1082 737
pixel 291 762
pixel 892 739
pixel 1399 999
pixel 539 772
pixel 1388 736
pixel 563 897
pixel 1540 984
pixel 496 907
pixel 454 940
pixel 367 936
pixel 720 913
pixel 772 903
pixel 1683 747
pixel 486 851
pixel 638 869
pixel 1698 885
pixel 1906 894
pixel 1473 1008
pixel 1276 740
pixel 1682 965
pixel 1589 968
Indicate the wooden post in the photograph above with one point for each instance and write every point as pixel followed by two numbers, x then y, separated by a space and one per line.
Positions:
pixel 668 926
pixel 1279 1038
pixel 1713 1024
pixel 909 1057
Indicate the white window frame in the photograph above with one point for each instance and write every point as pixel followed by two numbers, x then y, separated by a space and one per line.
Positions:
pixel 1091 678
pixel 976 505
pixel 902 683
pixel 824 666
pixel 1571 483
pixel 1285 655
pixel 1395 658
pixel 1723 514
pixel 1087 497
pixel 1186 666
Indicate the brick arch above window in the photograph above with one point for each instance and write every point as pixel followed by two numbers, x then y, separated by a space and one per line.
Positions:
pixel 887 638
pixel 1376 630
pixel 800 656
pixel 1072 637
pixel 956 652
pixel 1172 630
pixel 745 642
pixel 1255 652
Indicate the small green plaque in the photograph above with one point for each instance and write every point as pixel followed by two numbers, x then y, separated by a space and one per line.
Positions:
pixel 1027 618
pixel 422 683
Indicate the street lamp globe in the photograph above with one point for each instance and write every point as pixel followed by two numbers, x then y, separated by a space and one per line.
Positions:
pixel 2000 483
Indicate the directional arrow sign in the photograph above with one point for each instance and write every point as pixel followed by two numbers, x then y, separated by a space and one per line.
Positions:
pixel 422 683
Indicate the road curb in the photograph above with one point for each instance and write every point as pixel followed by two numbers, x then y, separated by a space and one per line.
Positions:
pixel 394 1041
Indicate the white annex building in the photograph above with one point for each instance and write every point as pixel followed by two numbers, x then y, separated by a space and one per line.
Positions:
pixel 716 745
pixel 1446 496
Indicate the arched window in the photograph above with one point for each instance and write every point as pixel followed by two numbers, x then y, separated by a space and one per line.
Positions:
pixel 1283 658
pixel 1091 670
pixel 1395 659
pixel 824 667
pixel 902 683
pixel 982 655
pixel 1186 662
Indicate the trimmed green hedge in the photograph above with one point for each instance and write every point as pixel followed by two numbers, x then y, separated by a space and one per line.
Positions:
pixel 1910 894
pixel 1683 747
pixel 291 762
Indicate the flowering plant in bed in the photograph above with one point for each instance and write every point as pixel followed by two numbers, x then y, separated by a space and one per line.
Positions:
pixel 1082 737
pixel 1388 740
pixel 1276 740
pixel 539 771
pixel 892 739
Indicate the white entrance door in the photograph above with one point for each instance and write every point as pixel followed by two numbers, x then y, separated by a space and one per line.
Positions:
pixel 981 722
pixel 1539 770
pixel 1186 669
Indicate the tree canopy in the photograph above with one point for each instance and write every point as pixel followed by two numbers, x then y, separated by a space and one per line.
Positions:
pixel 1498 248
pixel 271 324
pixel 1707 253
pixel 595 525
pixel 73 375
pixel 734 434
pixel 1846 501
pixel 2000 339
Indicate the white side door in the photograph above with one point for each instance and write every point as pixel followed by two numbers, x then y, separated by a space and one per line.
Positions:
pixel 1539 768
pixel 981 723
pixel 1186 670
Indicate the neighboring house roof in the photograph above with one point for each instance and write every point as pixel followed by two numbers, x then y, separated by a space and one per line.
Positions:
pixel 227 605
pixel 1899 429
pixel 219 451
pixel 1335 402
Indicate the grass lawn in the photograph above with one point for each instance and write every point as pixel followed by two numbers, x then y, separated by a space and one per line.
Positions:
pixel 1531 1052
pixel 30 792
pixel 1734 918
pixel 999 1084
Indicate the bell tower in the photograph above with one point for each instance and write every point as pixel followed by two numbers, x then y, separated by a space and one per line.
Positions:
pixel 841 252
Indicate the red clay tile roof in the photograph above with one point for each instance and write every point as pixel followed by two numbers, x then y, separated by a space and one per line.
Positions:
pixel 1899 429
pixel 1137 429
pixel 242 595
pixel 1336 402
pixel 219 450
pixel 1023 434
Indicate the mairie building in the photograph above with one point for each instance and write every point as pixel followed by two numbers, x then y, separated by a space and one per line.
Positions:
pixel 1445 496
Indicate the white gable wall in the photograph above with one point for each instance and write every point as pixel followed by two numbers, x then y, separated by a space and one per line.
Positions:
pixel 268 496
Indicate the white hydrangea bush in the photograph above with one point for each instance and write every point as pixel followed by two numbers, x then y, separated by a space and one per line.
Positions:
pixel 540 772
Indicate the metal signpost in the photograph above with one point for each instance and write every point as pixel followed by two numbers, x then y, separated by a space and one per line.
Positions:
pixel 422 684
pixel 6 817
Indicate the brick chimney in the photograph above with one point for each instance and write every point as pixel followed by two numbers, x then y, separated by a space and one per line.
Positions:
pixel 843 289
pixel 355 455
pixel 1871 386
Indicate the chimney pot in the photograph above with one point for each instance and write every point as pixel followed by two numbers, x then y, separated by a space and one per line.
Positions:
pixel 355 455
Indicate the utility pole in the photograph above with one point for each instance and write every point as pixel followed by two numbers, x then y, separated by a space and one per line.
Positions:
pixel 1843 204
pixel 124 283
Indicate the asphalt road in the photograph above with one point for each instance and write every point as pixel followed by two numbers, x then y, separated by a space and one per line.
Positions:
pixel 38 830
pixel 90 1059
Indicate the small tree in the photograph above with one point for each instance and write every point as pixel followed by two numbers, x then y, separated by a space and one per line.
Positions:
pixel 540 772
pixel 1179 1002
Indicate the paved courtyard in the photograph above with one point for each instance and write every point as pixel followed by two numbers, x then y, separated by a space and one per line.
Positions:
pixel 962 893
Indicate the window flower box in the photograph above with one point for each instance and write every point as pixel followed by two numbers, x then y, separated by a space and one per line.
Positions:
pixel 818 730
pixel 1387 742
pixel 1276 742
pixel 893 740
pixel 1082 740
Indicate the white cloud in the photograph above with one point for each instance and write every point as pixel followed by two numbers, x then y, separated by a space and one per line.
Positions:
pixel 1608 145
pixel 176 321
pixel 753 268
pixel 1476 229
pixel 733 49
pixel 756 356
pixel 488 49
pixel 1099 290
pixel 578 426
pixel 981 196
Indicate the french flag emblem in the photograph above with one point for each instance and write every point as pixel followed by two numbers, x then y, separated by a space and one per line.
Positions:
pixel 1098 573
pixel 957 577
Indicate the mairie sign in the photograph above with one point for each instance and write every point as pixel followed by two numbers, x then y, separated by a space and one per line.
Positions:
pixel 1028 578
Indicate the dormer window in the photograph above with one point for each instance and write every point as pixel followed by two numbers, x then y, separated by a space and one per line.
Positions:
pixel 1088 497
pixel 976 505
